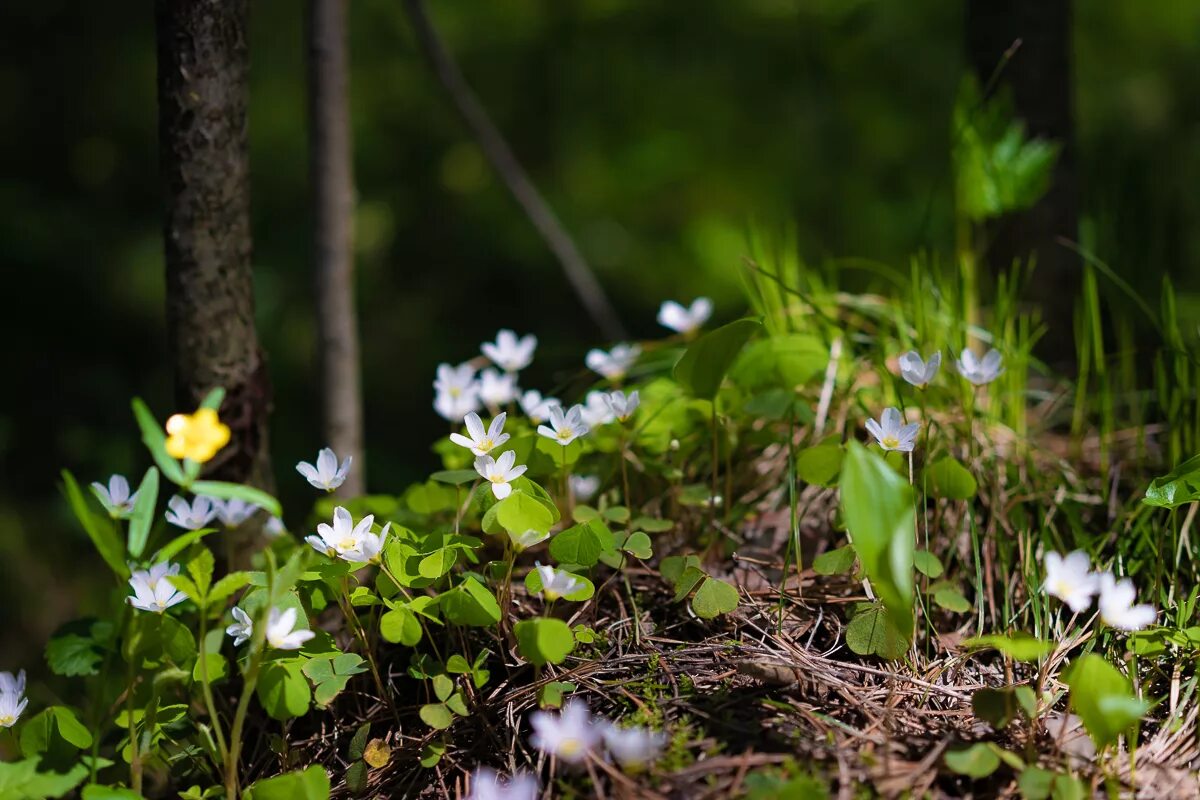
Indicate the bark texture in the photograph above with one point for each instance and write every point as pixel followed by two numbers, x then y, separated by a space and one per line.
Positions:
pixel 203 70
pixel 1039 76
pixel 332 181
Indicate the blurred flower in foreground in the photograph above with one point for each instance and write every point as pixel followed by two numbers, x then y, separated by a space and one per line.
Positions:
pixel 242 628
pixel 282 633
pixel 1117 607
pixel 685 320
pixel 536 407
pixel 12 698
pixel 191 517
pixel 115 497
pixel 584 487
pixel 486 785
pixel 595 410
pixel 622 406
pixel 615 363
pixel 1070 579
pixel 919 372
pixel 196 436
pixel 327 474
pixel 570 735
pixel 482 441
pixel 274 527
pixel 523 541
pixel 891 435
pixel 633 747
pixel 500 471
pixel 980 371
pixel 565 426
pixel 557 583
pixel 497 389
pixel 457 391
pixel 151 589
pixel 510 353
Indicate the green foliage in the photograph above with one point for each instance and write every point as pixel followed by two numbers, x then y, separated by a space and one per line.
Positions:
pixel 544 640
pixel 820 464
pixel 838 561
pixel 99 529
pixel 582 544
pixel 703 366
pixel 283 690
pixel 307 784
pixel 1103 699
pixel 950 479
pixel 1179 486
pixel 872 631
pixel 977 761
pixel 143 513
pixel 1017 646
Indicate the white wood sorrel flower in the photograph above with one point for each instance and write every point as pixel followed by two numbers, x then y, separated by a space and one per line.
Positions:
pixel 536 407
pixel 151 589
pixel 487 785
pixel 497 389
pixel 891 435
pixel 1070 579
pixel 456 391
pixel 918 372
pixel 565 426
pixel 500 472
pixel 523 541
pixel 510 352
pixel 556 583
pixel 115 497
pixel 282 633
pixel 327 474
pixel 481 441
pixel 242 627
pixel 633 747
pixel 685 320
pixel 615 363
pixel 622 405
pixel 1117 606
pixel 595 410
pixel 343 536
pixel 193 516
pixel 584 487
pixel 980 371
pixel 234 512
pixel 570 736
pixel 12 698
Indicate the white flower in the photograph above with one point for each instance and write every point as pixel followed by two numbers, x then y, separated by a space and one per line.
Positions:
pixel 12 699
pixel 343 536
pixel 326 474
pixel 891 435
pixel 454 405
pixel 191 517
pixel 980 371
pixel 564 427
pixel 497 388
pixel 536 407
pixel 115 497
pixel 234 512
pixel 622 406
pixel 633 747
pixel 510 353
pixel 282 633
pixel 500 472
pixel 595 410
pixel 523 541
pixel 151 589
pixel 274 527
pixel 557 583
pixel 370 545
pixel 584 487
pixel 918 372
pixel 242 628
pixel 685 320
pixel 1070 579
pixel 486 785
pixel 615 363
pixel 482 442
pixel 570 736
pixel 1117 607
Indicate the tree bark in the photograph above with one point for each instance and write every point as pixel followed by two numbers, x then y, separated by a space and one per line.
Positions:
pixel 1039 77
pixel 203 70
pixel 332 178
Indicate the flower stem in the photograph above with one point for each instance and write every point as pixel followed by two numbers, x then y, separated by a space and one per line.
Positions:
pixel 625 477
pixel 361 635
pixel 206 690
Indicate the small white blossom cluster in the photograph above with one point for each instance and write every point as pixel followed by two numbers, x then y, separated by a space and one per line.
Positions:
pixel 12 698
pixel 152 589
pixel 1071 580
pixel 203 510
pixel 458 391
pixel 979 371
pixel 282 633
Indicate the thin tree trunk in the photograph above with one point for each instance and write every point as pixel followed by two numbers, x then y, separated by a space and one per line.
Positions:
pixel 332 177
pixel 1039 76
pixel 203 68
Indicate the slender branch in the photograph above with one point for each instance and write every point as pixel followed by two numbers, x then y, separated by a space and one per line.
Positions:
pixel 504 162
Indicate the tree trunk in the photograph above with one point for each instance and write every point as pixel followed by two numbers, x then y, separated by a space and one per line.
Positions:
pixel 332 178
pixel 203 69
pixel 1039 76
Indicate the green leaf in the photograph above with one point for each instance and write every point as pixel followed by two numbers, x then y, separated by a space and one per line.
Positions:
pixel 99 530
pixel 236 491
pixel 54 729
pixel 179 544
pixel 437 716
pixel 688 581
pixel 400 626
pixel 977 761
pixel 713 598
pixel 226 586
pixel 703 366
pixel 78 648
pixel 561 456
pixel 638 545
pixel 544 640
pixel 283 690
pixel 997 707
pixel 1103 699
pixel 872 632
pixel 308 784
pixel 519 512
pixel 951 599
pixel 928 564
pixel 1017 646
pixel 673 567
pixel 835 562
pixel 653 525
pixel 200 567
pixel 783 361
pixel 155 438
pixel 877 507
pixel 950 479
pixel 455 477
pixel 470 603
pixel 820 465
pixel 143 513
pixel 438 563
pixel 358 742
pixel 356 777
pixel 94 791
pixel 582 544
pixel 550 695
pixel 1179 486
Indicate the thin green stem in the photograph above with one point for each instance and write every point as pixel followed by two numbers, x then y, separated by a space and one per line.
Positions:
pixel 206 689
pixel 361 634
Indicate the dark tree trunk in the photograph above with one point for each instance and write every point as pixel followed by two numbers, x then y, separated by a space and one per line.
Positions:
pixel 203 70
pixel 332 176
pixel 1039 77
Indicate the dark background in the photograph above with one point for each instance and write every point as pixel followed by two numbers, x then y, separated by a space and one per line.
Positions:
pixel 658 131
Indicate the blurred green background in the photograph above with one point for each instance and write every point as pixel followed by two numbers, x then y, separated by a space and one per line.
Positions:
pixel 658 131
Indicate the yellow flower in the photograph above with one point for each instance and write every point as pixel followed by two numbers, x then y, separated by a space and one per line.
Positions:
pixel 196 436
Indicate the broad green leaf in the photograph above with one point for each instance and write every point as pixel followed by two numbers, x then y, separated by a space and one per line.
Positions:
pixel 873 632
pixel 308 784
pixel 78 647
pixel 951 599
pixel 544 640
pixel 95 791
pixel 688 581
pixel 438 563
pixel 703 366
pixel 154 436
pixel 236 491
pixel 878 510
pixel 977 761
pixel 53 730
pixel 562 456
pixel 179 544
pixel 99 530
pixel 283 690
pixel 456 477
pixel 638 545
pixel 470 603
pixel 400 626
pixel 519 512
pixel 950 479
pixel 783 361
pixel 673 567
pixel 821 464
pixel 835 562
pixel 652 525
pixel 582 544
pixel 226 586
pixel 1017 646
pixel 1103 699
pixel 713 598
pixel 997 707
pixel 200 567
pixel 436 715
pixel 928 564
pixel 1179 486
pixel 143 513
